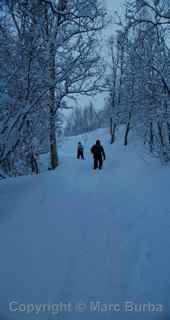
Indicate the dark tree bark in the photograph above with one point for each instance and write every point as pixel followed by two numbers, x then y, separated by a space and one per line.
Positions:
pixel 127 130
pixel 168 126
pixel 34 164
pixel 151 137
pixel 160 134
pixel 112 130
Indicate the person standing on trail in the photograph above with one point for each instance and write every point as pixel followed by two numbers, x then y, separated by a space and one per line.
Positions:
pixel 80 151
pixel 98 154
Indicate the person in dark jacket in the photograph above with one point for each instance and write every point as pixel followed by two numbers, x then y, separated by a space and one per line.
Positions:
pixel 80 151
pixel 98 154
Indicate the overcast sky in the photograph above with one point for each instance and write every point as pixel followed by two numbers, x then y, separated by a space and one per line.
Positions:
pixel 114 5
pixel 111 5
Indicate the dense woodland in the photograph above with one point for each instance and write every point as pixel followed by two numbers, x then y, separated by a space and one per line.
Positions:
pixel 49 55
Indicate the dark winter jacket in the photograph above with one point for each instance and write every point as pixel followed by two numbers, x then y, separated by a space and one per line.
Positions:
pixel 80 147
pixel 98 151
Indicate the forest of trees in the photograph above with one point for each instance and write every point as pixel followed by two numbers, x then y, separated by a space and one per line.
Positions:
pixel 49 54
pixel 139 80
pixel 84 120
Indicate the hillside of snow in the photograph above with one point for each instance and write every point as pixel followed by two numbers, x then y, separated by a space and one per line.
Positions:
pixel 84 237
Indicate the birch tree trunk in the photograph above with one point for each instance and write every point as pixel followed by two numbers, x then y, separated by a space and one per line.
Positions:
pixel 127 130
pixel 112 130
pixel 52 106
pixel 52 32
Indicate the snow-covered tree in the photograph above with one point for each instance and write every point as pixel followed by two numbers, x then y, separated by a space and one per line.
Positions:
pixel 142 78
pixel 83 120
pixel 49 50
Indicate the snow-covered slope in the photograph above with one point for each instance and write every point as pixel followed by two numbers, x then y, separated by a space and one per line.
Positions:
pixel 80 236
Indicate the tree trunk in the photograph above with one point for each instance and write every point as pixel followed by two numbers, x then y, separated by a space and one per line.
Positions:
pixel 34 164
pixel 53 143
pixel 160 134
pixel 151 137
pixel 126 133
pixel 127 130
pixel 52 107
pixel 112 130
pixel 168 126
pixel 51 38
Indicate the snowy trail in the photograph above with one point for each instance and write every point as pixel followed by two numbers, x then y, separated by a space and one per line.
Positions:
pixel 78 235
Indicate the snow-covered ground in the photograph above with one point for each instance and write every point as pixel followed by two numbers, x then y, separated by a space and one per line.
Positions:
pixel 78 236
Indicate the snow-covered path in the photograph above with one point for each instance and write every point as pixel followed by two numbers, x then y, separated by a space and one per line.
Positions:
pixel 78 235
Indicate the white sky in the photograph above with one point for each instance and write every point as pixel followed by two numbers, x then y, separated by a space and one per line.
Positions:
pixel 114 4
pixel 111 6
